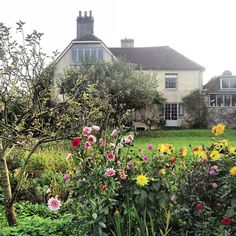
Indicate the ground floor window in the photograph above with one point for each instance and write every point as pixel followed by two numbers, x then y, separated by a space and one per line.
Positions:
pixel 222 100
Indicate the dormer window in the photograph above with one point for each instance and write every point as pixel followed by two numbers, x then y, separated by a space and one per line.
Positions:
pixel 228 83
pixel 81 55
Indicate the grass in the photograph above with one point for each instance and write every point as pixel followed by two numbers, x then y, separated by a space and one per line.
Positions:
pixel 180 138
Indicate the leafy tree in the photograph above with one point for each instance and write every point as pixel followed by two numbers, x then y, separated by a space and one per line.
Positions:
pixel 118 83
pixel 197 110
pixel 29 116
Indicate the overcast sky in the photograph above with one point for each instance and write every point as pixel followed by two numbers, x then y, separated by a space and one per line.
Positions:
pixel 202 30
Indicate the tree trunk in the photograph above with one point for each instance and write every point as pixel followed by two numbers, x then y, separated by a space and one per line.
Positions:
pixel 6 186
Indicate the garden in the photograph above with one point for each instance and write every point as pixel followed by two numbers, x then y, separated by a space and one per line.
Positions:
pixel 109 185
pixel 72 165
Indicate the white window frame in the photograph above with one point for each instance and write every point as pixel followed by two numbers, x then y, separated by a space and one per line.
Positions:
pixel 173 76
pixel 223 98
pixel 229 82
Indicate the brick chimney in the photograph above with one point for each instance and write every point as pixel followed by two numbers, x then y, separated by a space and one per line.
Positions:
pixel 84 24
pixel 127 43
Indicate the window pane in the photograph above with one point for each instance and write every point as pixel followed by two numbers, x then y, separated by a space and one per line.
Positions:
pixel 94 53
pixel 233 99
pixel 233 83
pixel 220 100
pixel 212 100
pixel 227 99
pixel 87 53
pixel 74 55
pixel 100 54
pixel 171 81
pixel 80 55
pixel 181 109
pixel 225 83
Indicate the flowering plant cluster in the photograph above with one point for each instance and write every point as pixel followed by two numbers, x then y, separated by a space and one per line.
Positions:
pixel 114 187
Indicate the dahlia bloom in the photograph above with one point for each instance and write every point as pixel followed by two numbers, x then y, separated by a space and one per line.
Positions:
pixel 95 128
pixel 218 129
pixel 86 131
pixel 54 204
pixel 114 133
pixel 141 180
pixel 233 171
pixel 66 177
pixel 110 172
pixel 75 142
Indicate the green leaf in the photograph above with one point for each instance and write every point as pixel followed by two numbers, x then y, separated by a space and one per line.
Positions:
pixel 102 225
pixel 94 215
pixel 230 212
pixel 233 202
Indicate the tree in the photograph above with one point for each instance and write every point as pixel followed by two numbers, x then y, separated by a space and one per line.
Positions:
pixel 29 116
pixel 123 88
pixel 197 110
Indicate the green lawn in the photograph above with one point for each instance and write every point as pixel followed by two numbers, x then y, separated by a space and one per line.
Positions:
pixel 185 137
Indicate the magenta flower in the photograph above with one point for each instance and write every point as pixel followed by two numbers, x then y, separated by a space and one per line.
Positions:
pixel 66 177
pixel 87 145
pixel 129 165
pixel 212 172
pixel 54 204
pixel 150 147
pixel 205 160
pixel 139 149
pixel 110 172
pixel 87 131
pixel 92 139
pixel 145 158
pixel 110 156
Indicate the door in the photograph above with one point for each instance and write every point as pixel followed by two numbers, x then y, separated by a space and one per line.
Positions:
pixel 171 114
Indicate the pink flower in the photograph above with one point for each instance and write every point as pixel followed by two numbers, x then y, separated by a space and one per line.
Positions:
pixel 214 167
pixel 95 128
pixel 126 141
pixel 129 165
pixel 214 185
pixel 205 160
pixel 110 156
pixel 66 177
pixel 110 172
pixel 87 131
pixel 150 147
pixel 54 204
pixel 69 157
pixel 114 133
pixel 122 175
pixel 103 186
pixel 92 139
pixel 87 145
pixel 212 172
pixel 102 142
pixel 145 158
pixel 75 142
pixel 139 149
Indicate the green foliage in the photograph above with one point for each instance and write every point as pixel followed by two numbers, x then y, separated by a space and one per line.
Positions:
pixel 118 88
pixel 197 110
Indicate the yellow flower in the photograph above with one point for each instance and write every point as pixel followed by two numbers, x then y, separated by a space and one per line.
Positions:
pixel 141 180
pixel 163 171
pixel 232 150
pixel 221 144
pixel 218 129
pixel 199 152
pixel 233 171
pixel 215 155
pixel 165 148
pixel 183 152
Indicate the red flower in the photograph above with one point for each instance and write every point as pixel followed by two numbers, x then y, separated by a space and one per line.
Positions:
pixel 103 187
pixel 199 207
pixel 226 221
pixel 173 160
pixel 75 142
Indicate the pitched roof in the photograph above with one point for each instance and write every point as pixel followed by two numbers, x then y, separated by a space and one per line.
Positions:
pixel 87 37
pixel 161 58
pixel 213 85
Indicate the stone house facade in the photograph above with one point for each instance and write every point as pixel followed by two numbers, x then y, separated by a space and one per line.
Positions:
pixel 177 75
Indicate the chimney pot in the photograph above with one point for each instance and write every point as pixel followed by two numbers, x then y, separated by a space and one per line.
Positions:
pixel 80 13
pixel 127 43
pixel 85 13
pixel 90 13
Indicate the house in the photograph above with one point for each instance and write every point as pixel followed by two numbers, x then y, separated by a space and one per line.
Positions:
pixel 177 75
pixel 220 93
